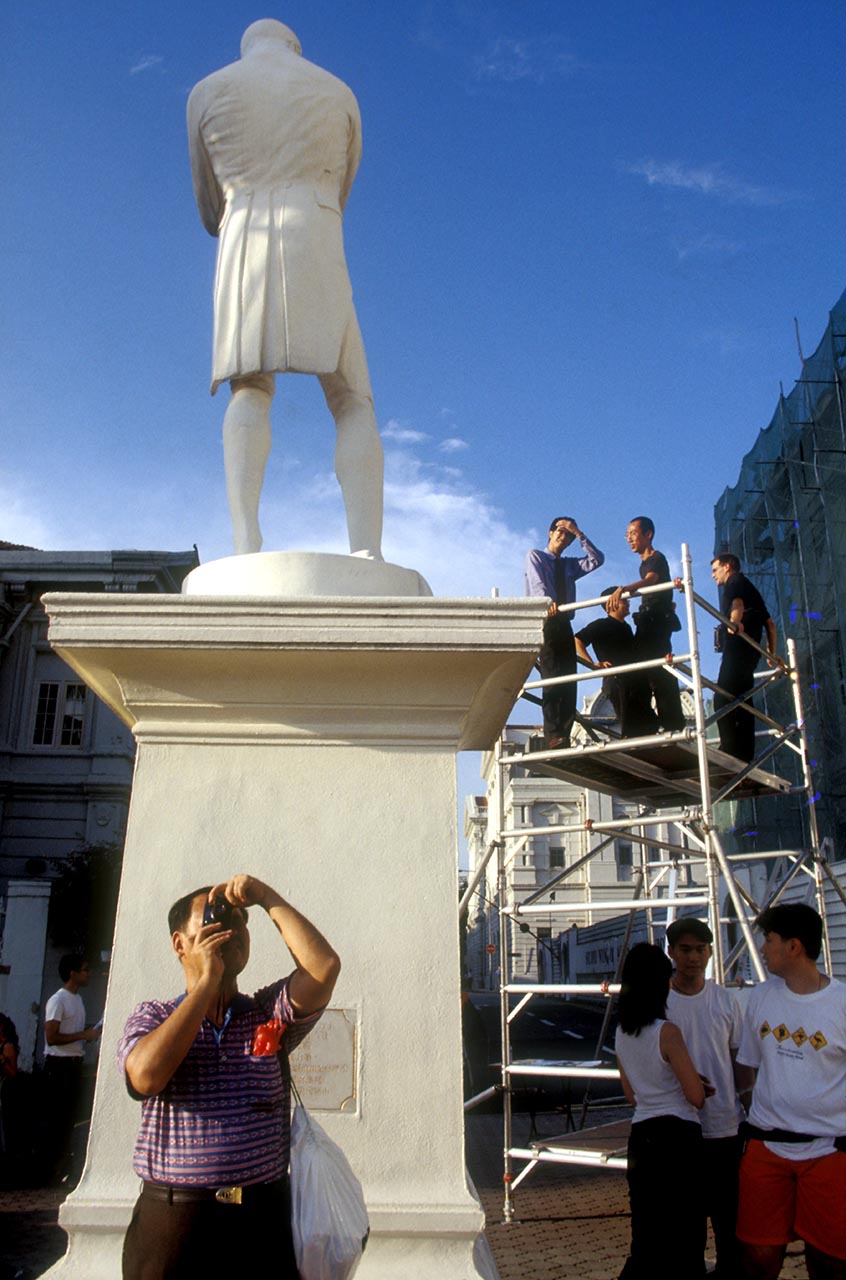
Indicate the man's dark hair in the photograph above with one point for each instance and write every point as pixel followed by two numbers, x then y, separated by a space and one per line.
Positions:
pixel 554 522
pixel 9 1032
pixel 689 925
pixel 645 523
pixel 71 963
pixel 726 557
pixel 645 985
pixel 794 920
pixel 180 912
pixel 609 591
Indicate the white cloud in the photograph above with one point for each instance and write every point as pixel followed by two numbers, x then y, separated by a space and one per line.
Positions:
pixel 436 521
pixel 727 341
pixel 708 180
pixel 453 444
pixel 535 59
pixel 450 531
pixel 707 245
pixel 402 434
pixel 148 62
pixel 23 521
pixel 111 513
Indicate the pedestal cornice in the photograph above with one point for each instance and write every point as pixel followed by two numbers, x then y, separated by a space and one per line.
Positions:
pixel 305 668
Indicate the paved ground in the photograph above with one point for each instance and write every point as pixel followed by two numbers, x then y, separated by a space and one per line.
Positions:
pixel 571 1222
pixel 30 1239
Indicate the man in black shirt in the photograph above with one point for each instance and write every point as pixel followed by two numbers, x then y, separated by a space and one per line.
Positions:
pixel 655 619
pixel 743 605
pixel 614 645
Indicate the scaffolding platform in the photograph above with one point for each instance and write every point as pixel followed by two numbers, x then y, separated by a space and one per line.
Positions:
pixel 647 772
pixel 600 1144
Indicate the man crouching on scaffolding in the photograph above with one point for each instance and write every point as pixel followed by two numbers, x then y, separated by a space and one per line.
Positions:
pixel 613 642
pixel 548 573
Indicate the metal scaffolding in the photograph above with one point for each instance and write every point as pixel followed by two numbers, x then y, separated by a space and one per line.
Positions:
pixel 678 778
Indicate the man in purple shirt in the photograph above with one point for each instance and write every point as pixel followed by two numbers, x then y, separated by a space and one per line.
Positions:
pixel 212 1150
pixel 549 573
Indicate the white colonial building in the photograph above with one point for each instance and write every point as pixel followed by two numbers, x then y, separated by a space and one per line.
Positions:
pixel 66 761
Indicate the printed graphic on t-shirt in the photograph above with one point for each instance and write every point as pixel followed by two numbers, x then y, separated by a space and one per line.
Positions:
pixel 799 1036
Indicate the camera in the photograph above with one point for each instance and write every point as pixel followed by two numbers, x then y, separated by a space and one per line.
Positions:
pixel 219 911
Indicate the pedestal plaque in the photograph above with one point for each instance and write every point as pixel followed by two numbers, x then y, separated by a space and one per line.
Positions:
pixel 323 1066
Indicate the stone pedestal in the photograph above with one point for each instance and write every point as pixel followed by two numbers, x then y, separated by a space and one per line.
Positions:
pixel 312 743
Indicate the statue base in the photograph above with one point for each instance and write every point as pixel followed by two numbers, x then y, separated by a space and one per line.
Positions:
pixel 311 743
pixel 302 573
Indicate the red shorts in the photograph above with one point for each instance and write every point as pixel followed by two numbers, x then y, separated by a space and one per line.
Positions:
pixel 783 1200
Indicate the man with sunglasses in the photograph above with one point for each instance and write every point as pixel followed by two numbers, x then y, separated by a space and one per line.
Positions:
pixel 212 1150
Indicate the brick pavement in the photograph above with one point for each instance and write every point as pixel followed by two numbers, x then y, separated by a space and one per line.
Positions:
pixel 571 1222
pixel 30 1238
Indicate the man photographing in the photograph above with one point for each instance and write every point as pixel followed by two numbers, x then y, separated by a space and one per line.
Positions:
pixel 212 1149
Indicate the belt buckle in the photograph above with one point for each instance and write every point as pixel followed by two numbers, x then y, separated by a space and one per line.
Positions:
pixel 228 1195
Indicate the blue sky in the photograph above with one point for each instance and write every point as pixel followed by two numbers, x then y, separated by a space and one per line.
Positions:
pixel 577 240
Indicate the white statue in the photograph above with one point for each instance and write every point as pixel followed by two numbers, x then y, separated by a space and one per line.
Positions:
pixel 275 143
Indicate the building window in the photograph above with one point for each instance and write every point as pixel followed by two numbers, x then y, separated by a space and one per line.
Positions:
pixel 59 714
pixel 556 857
pixel 624 859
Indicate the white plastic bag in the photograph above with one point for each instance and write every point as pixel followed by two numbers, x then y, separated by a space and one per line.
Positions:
pixel 328 1214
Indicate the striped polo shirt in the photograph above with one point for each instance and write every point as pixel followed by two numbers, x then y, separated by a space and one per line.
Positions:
pixel 223 1119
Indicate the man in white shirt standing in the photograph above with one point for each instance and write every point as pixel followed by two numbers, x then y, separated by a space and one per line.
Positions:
pixel 793 1172
pixel 710 1021
pixel 66 1035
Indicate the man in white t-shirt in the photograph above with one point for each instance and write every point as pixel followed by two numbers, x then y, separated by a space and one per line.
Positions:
pixel 793 1172
pixel 65 1034
pixel 710 1021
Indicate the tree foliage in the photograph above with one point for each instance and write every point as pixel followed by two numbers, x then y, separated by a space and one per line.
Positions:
pixel 83 903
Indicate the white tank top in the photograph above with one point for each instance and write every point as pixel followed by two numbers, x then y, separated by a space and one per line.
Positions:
pixel 656 1089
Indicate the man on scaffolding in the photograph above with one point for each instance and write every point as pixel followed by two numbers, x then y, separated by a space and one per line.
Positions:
pixel 744 607
pixel 613 642
pixel 655 620
pixel 549 573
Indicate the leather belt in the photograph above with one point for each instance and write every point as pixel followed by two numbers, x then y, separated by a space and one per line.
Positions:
pixel 223 1195
pixel 748 1130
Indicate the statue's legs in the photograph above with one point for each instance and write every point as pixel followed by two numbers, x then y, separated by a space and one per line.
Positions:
pixel 359 462
pixel 246 445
